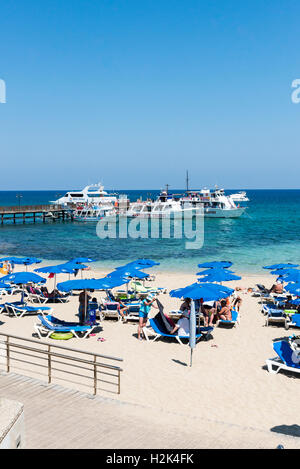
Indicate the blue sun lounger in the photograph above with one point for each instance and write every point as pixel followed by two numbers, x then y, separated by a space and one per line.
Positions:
pixel 274 315
pixel 159 333
pixel 287 358
pixel 293 321
pixel 19 309
pixel 235 319
pixel 16 303
pixel 50 324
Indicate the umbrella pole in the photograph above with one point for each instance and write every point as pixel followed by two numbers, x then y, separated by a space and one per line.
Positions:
pixel 85 304
pixel 192 338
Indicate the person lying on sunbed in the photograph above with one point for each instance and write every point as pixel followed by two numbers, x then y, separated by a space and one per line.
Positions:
pixel 182 327
pixel 289 305
pixel 225 312
pixel 209 309
pixel 54 294
pixel 277 287
pixel 186 305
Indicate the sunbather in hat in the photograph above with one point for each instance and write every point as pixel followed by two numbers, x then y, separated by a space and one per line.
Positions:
pixel 182 327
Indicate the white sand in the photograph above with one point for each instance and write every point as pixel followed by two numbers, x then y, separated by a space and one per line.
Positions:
pixel 227 383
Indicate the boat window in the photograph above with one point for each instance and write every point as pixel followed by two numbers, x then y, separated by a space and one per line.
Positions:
pixel 76 195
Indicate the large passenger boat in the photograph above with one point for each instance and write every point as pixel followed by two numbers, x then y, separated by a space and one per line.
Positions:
pixel 92 194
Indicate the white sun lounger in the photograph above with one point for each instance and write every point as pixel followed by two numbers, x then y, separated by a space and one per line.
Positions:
pixel 287 358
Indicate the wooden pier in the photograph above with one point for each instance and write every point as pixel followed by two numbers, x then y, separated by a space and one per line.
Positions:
pixel 33 213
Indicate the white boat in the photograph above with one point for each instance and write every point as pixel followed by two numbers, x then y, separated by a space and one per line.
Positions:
pixel 166 205
pixel 92 194
pixel 239 197
pixel 215 203
pixel 94 213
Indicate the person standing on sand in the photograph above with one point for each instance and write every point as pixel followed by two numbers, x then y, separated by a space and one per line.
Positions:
pixel 83 306
pixel 144 312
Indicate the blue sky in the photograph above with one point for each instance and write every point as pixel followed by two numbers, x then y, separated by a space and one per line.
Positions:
pixel 133 93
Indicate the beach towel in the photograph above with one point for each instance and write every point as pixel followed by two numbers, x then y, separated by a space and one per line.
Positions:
pixel 161 319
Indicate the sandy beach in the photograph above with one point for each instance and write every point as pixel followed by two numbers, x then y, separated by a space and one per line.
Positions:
pixel 228 382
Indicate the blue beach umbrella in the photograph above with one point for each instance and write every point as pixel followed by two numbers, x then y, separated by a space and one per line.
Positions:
pixel 207 291
pixel 32 260
pixel 132 273
pixel 284 271
pixel 214 269
pixel 220 276
pixel 80 284
pixel 21 260
pixel 215 264
pixel 75 267
pixel 128 273
pixel 82 260
pixel 280 266
pixel 66 268
pixel 56 269
pixel 21 278
pixel 197 291
pixel 90 284
pixel 293 288
pixel 291 277
pixel 139 264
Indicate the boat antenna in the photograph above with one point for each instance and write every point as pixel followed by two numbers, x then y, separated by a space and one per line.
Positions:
pixel 167 188
pixel 187 180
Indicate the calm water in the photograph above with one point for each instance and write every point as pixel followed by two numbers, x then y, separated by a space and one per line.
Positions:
pixel 267 233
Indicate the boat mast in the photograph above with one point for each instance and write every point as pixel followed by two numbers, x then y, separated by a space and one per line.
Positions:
pixel 187 181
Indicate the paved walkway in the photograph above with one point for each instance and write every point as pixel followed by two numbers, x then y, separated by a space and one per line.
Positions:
pixel 61 418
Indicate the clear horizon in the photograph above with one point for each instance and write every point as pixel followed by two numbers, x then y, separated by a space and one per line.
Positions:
pixel 138 92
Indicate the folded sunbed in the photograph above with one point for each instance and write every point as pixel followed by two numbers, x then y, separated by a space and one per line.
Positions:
pixel 287 359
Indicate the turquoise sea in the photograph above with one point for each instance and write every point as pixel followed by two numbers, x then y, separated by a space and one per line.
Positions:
pixel 269 232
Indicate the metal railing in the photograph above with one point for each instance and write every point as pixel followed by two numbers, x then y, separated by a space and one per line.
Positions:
pixel 13 349
pixel 30 208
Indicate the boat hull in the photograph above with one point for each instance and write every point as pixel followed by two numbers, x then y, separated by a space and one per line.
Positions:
pixel 223 213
